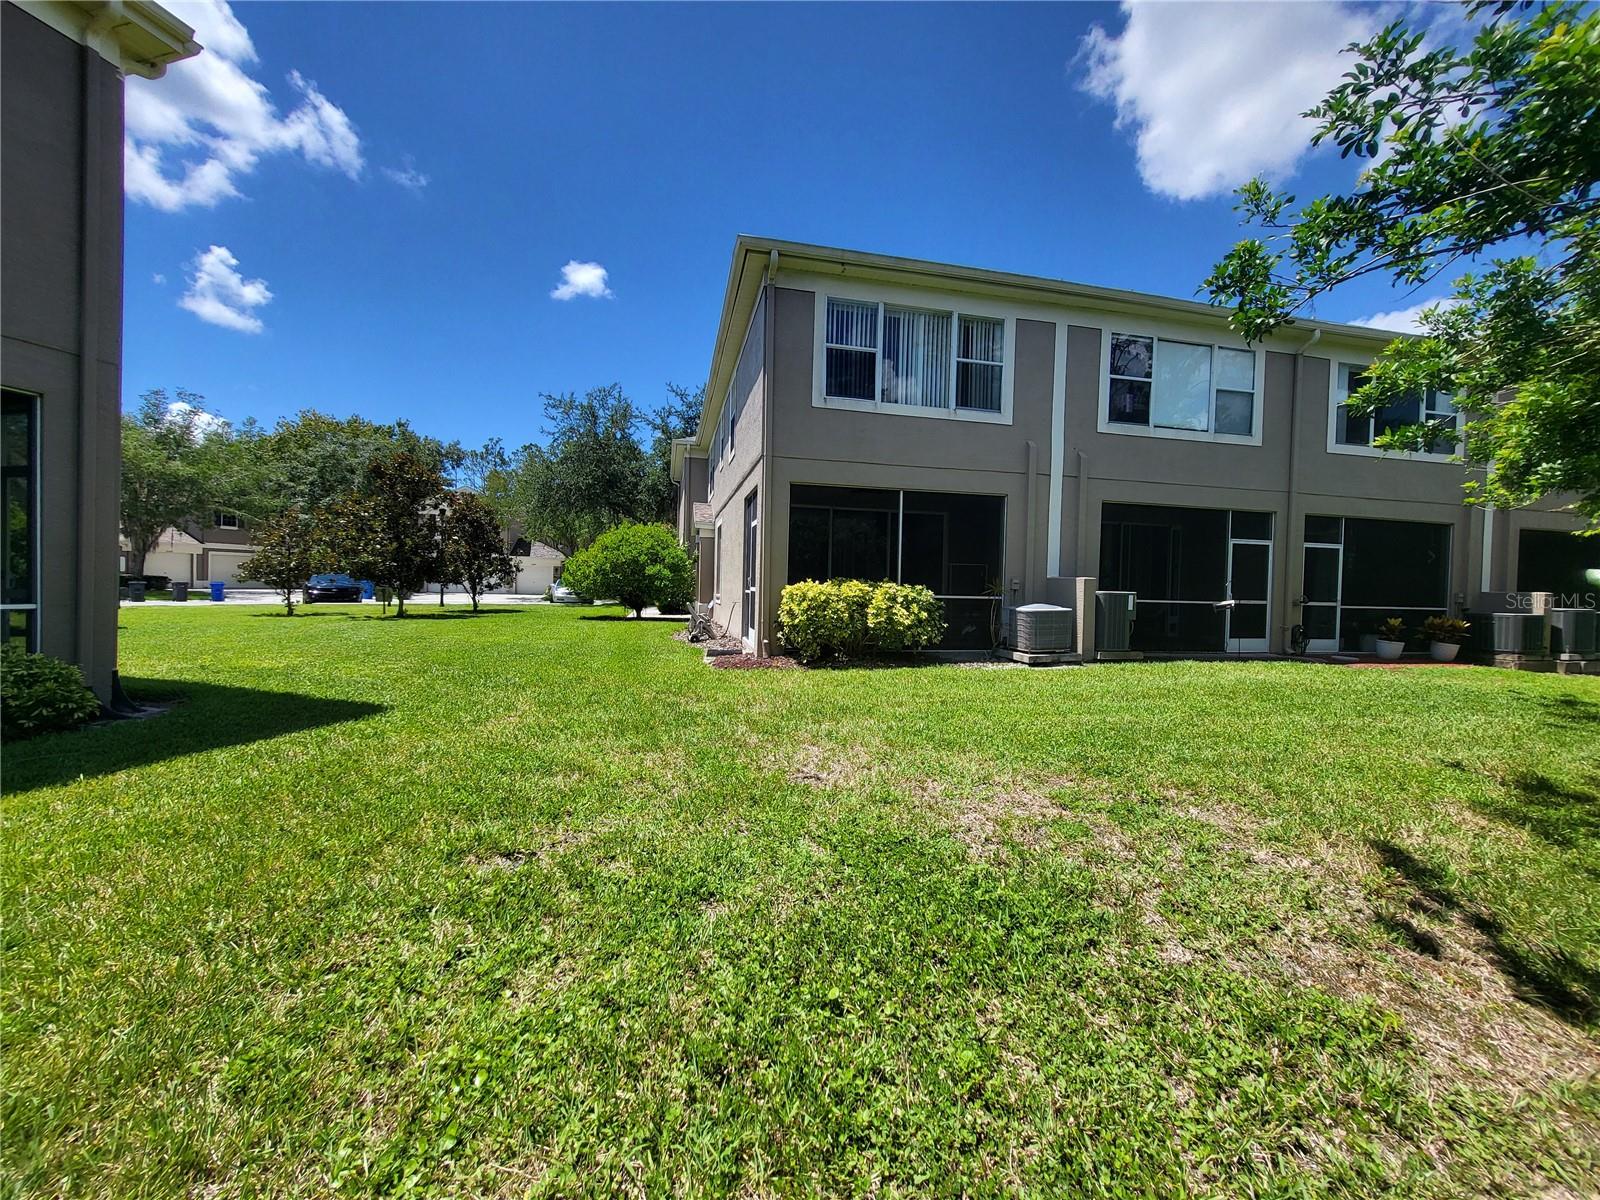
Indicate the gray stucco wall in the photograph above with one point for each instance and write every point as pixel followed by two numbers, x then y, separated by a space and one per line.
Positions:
pixel 737 473
pixel 1058 351
pixel 61 318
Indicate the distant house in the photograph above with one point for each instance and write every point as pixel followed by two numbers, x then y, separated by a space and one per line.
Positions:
pixel 205 551
pixel 61 70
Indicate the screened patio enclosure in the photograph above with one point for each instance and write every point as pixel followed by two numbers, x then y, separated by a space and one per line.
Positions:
pixel 1359 573
pixel 1203 576
pixel 951 543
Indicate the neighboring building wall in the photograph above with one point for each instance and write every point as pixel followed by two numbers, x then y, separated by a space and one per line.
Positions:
pixel 61 320
pixel 691 491
pixel 735 468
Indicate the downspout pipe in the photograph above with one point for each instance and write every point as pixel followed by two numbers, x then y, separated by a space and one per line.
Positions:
pixel 1292 483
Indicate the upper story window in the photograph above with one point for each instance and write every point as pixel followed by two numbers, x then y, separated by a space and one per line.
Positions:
pixel 224 520
pixel 918 358
pixel 1358 431
pixel 1184 388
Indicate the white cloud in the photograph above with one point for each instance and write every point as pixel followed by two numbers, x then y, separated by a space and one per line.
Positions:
pixel 407 176
pixel 1403 320
pixel 220 295
pixel 194 133
pixel 202 424
pixel 582 279
pixel 158 278
pixel 1213 92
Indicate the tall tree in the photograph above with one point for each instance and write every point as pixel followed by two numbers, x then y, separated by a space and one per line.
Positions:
pixel 312 459
pixel 1470 154
pixel 387 529
pixel 172 461
pixel 677 418
pixel 289 550
pixel 474 545
pixel 589 475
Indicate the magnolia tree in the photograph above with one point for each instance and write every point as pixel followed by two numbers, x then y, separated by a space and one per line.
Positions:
pixel 636 565
pixel 1473 157
pixel 387 530
pixel 289 551
pixel 473 546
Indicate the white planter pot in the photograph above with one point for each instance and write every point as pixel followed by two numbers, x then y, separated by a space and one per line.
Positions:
pixel 1443 651
pixel 1387 650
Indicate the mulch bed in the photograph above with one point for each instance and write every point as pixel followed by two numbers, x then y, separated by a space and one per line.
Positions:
pixel 754 662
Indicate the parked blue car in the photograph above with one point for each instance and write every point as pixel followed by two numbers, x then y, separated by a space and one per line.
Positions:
pixel 331 589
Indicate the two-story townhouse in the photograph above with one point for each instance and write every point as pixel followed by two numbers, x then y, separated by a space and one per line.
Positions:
pixel 994 436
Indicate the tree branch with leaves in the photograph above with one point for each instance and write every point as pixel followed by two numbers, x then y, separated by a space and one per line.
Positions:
pixel 1472 154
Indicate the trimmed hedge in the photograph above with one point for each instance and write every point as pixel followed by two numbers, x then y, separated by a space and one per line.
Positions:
pixel 40 694
pixel 637 565
pixel 849 618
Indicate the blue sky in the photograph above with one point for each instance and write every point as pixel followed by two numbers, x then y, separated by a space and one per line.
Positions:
pixel 393 190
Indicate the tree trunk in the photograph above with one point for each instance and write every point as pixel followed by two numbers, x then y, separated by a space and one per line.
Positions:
pixel 441 595
pixel 288 602
pixel 399 604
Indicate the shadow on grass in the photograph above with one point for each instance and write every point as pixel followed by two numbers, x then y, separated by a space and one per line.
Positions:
pixel 1539 974
pixel 202 716
pixel 1567 710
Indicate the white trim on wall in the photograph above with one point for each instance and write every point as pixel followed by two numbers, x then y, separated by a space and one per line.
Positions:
pixel 1190 335
pixel 927 301
pixel 1336 398
pixel 1058 448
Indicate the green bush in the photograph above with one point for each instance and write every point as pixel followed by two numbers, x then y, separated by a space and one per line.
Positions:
pixel 40 694
pixel 903 616
pixel 637 565
pixel 846 618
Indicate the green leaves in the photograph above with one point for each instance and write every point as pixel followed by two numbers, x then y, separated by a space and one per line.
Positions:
pixel 1470 152
pixel 637 565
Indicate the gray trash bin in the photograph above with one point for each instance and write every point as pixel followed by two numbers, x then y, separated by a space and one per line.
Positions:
pixel 180 591
pixel 136 590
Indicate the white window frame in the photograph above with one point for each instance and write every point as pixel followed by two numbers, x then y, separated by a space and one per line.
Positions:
pixel 1338 394
pixel 955 308
pixel 1190 337
pixel 716 567
pixel 222 517
pixel 957 359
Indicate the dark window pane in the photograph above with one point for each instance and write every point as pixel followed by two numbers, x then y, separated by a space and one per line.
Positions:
pixel 1321 622
pixel 1323 529
pixel 1250 571
pixel 1256 526
pixel 861 545
pixel 1549 561
pixel 1164 553
pixel 978 386
pixel 1235 413
pixel 1248 621
pixel 17 493
pixel 1131 355
pixel 954 544
pixel 1130 402
pixel 851 374
pixel 1168 627
pixel 1322 574
pixel 1398 415
pixel 1353 430
pixel 16 623
pixel 808 544
pixel 1403 564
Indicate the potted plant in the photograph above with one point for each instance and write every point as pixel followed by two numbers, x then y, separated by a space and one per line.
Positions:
pixel 1391 639
pixel 1445 635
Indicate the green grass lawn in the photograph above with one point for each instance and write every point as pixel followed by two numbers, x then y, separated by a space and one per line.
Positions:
pixel 536 903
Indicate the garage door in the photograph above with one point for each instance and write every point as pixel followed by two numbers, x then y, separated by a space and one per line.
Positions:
pixel 225 566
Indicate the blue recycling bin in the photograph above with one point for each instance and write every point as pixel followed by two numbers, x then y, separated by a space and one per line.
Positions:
pixel 368 590
pixel 216 589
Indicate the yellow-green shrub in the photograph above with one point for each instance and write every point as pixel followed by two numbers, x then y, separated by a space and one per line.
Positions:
pixel 846 618
pixel 903 616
